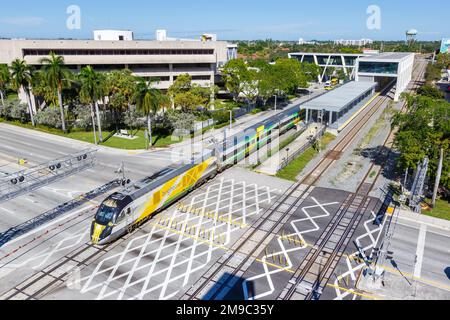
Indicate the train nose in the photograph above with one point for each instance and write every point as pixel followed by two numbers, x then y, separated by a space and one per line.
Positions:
pixel 97 231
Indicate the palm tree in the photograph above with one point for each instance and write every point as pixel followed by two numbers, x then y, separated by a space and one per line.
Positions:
pixel 56 74
pixel 149 100
pixel 21 77
pixel 91 92
pixel 4 80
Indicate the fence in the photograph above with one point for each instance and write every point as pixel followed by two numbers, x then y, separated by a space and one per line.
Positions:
pixel 198 126
pixel 300 151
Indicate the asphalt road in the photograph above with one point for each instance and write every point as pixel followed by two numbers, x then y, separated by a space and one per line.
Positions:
pixel 163 258
pixel 39 148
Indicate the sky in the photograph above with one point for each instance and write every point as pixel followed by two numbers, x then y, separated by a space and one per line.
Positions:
pixel 229 19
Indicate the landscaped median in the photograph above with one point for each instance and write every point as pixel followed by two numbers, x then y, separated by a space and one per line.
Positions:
pixel 440 211
pixel 293 170
pixel 139 143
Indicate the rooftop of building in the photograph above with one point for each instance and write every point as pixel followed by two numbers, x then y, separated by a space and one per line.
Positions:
pixel 330 54
pixel 341 97
pixel 388 57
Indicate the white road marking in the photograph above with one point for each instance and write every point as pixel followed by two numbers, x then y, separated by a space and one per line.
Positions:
pixel 163 260
pixel 287 253
pixel 420 251
pixel 354 267
pixel 47 226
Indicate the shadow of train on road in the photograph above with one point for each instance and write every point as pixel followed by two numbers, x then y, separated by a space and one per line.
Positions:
pixel 229 288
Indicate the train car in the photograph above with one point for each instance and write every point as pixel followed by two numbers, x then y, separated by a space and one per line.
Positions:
pixel 124 210
pixel 241 146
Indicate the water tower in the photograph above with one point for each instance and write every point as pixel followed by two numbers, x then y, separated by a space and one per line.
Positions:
pixel 411 36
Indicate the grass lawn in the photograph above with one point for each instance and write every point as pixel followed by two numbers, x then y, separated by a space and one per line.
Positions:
pixel 442 210
pixel 296 167
pixel 12 96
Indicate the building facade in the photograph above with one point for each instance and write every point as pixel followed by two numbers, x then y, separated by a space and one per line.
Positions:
pixel 359 43
pixel 163 61
pixel 387 67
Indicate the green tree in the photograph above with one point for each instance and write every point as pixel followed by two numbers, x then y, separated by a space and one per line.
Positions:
pixel 120 88
pixel 21 78
pixel 57 75
pixel 187 96
pixel 4 81
pixel 182 83
pixel 431 92
pixel 425 132
pixel 91 93
pixel 295 76
pixel 189 101
pixel 236 75
pixel 41 89
pixel 149 100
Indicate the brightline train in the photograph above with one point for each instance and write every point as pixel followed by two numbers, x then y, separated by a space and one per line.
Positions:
pixel 123 211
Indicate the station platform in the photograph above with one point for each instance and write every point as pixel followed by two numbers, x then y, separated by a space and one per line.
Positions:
pixel 343 122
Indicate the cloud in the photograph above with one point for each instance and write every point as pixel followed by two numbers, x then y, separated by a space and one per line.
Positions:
pixel 22 21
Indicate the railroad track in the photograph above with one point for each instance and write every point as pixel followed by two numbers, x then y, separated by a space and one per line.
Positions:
pixel 298 195
pixel 55 275
pixel 313 275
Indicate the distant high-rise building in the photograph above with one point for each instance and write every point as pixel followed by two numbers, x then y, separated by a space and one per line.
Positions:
pixel 359 43
pixel 301 42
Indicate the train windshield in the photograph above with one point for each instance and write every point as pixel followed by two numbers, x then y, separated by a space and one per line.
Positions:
pixel 107 212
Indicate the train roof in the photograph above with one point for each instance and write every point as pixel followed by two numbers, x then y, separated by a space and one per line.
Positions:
pixel 142 187
pixel 295 109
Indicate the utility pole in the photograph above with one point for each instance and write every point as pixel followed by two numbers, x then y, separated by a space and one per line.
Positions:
pixel 438 177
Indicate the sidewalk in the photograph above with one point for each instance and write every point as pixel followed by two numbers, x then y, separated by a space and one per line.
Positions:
pixel 272 165
pixel 423 219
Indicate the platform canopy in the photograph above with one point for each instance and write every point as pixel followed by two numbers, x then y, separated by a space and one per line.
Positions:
pixel 341 97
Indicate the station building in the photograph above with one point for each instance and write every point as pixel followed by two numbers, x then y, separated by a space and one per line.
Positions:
pixel 387 67
pixel 381 68
pixel 345 61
